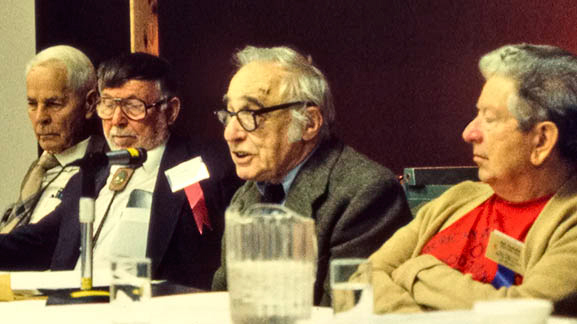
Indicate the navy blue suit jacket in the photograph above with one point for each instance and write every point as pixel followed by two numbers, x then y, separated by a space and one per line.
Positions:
pixel 179 253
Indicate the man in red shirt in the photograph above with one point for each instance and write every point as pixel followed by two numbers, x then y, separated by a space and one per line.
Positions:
pixel 513 234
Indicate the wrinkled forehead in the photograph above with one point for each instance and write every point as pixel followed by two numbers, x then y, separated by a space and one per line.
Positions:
pixel 48 80
pixel 141 89
pixel 256 82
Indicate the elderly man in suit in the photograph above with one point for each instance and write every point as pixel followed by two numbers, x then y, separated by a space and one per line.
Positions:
pixel 277 122
pixel 61 94
pixel 138 104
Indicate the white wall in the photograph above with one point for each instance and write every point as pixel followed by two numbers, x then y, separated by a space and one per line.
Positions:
pixel 17 141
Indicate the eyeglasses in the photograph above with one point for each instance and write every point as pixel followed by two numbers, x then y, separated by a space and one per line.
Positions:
pixel 247 117
pixel 133 108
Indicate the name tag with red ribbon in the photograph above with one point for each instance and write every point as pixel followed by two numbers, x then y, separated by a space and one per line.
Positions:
pixel 187 175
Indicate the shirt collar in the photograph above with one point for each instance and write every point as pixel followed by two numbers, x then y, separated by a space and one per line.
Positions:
pixel 72 153
pixel 289 178
pixel 153 158
pixel 152 163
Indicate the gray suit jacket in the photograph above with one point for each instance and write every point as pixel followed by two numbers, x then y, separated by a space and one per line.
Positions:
pixel 356 203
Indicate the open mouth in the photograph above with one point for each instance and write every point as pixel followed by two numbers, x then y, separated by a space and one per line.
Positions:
pixel 240 154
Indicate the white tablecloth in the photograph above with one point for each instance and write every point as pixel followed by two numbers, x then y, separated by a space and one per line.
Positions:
pixel 201 308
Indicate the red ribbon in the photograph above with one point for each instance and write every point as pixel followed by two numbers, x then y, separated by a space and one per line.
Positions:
pixel 195 197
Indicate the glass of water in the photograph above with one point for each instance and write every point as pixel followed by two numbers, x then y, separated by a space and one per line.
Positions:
pixel 130 290
pixel 352 291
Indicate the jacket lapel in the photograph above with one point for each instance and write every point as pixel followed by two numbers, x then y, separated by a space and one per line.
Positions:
pixel 312 180
pixel 97 143
pixel 166 205
pixel 248 196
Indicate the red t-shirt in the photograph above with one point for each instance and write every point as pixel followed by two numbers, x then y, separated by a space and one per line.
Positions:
pixel 462 245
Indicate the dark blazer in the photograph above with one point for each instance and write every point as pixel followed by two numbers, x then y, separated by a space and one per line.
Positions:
pixel 177 250
pixel 97 143
pixel 356 203
pixel 24 210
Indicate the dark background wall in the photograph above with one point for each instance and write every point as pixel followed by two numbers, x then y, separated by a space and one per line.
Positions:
pixel 403 72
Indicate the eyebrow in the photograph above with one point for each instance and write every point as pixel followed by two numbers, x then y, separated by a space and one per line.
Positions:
pixel 112 97
pixel 252 100
pixel 54 98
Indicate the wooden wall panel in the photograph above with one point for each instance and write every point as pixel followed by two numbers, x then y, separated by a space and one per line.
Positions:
pixel 144 26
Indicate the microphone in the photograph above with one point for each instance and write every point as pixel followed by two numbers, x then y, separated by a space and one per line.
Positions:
pixel 129 156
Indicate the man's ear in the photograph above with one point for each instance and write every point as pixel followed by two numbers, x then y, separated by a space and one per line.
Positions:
pixel 90 103
pixel 172 110
pixel 546 135
pixel 313 124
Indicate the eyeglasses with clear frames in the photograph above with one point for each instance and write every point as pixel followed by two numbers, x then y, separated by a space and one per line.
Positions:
pixel 247 117
pixel 133 108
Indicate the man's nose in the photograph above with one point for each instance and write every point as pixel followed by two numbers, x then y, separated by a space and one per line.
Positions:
pixel 43 115
pixel 118 116
pixel 472 133
pixel 233 131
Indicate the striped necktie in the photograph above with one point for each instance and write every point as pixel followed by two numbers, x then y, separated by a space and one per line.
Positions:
pixel 33 180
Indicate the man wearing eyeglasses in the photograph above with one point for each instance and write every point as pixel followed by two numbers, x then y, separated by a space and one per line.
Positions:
pixel 278 120
pixel 61 95
pixel 136 212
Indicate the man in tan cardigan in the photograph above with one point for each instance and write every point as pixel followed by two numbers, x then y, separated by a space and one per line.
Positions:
pixel 512 235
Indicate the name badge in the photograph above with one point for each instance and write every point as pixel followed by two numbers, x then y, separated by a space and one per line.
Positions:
pixel 186 174
pixel 506 251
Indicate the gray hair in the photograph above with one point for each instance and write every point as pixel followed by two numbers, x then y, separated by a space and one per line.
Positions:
pixel 303 82
pixel 80 72
pixel 546 79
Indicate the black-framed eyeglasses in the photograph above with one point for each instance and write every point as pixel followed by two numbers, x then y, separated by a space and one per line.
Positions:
pixel 133 108
pixel 247 117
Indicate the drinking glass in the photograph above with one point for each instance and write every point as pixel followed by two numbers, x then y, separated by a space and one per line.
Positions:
pixel 130 290
pixel 351 295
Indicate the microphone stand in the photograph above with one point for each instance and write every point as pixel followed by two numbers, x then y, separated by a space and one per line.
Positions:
pixel 88 169
pixel 86 219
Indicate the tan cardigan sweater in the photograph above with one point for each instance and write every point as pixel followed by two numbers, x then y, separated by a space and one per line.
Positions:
pixel 405 281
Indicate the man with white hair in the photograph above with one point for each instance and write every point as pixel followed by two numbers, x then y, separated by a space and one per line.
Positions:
pixel 61 94
pixel 138 211
pixel 278 119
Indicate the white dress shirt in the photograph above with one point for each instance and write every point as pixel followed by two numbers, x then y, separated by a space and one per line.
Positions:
pixel 50 197
pixel 125 230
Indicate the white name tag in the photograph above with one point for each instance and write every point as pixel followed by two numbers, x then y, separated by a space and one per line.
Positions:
pixel 506 251
pixel 187 173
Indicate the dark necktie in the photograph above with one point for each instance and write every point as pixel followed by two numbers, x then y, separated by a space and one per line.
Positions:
pixel 273 193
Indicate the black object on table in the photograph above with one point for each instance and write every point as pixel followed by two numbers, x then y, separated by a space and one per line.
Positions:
pixel 101 294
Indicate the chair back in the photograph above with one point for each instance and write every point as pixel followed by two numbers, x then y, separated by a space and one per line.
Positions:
pixel 423 184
